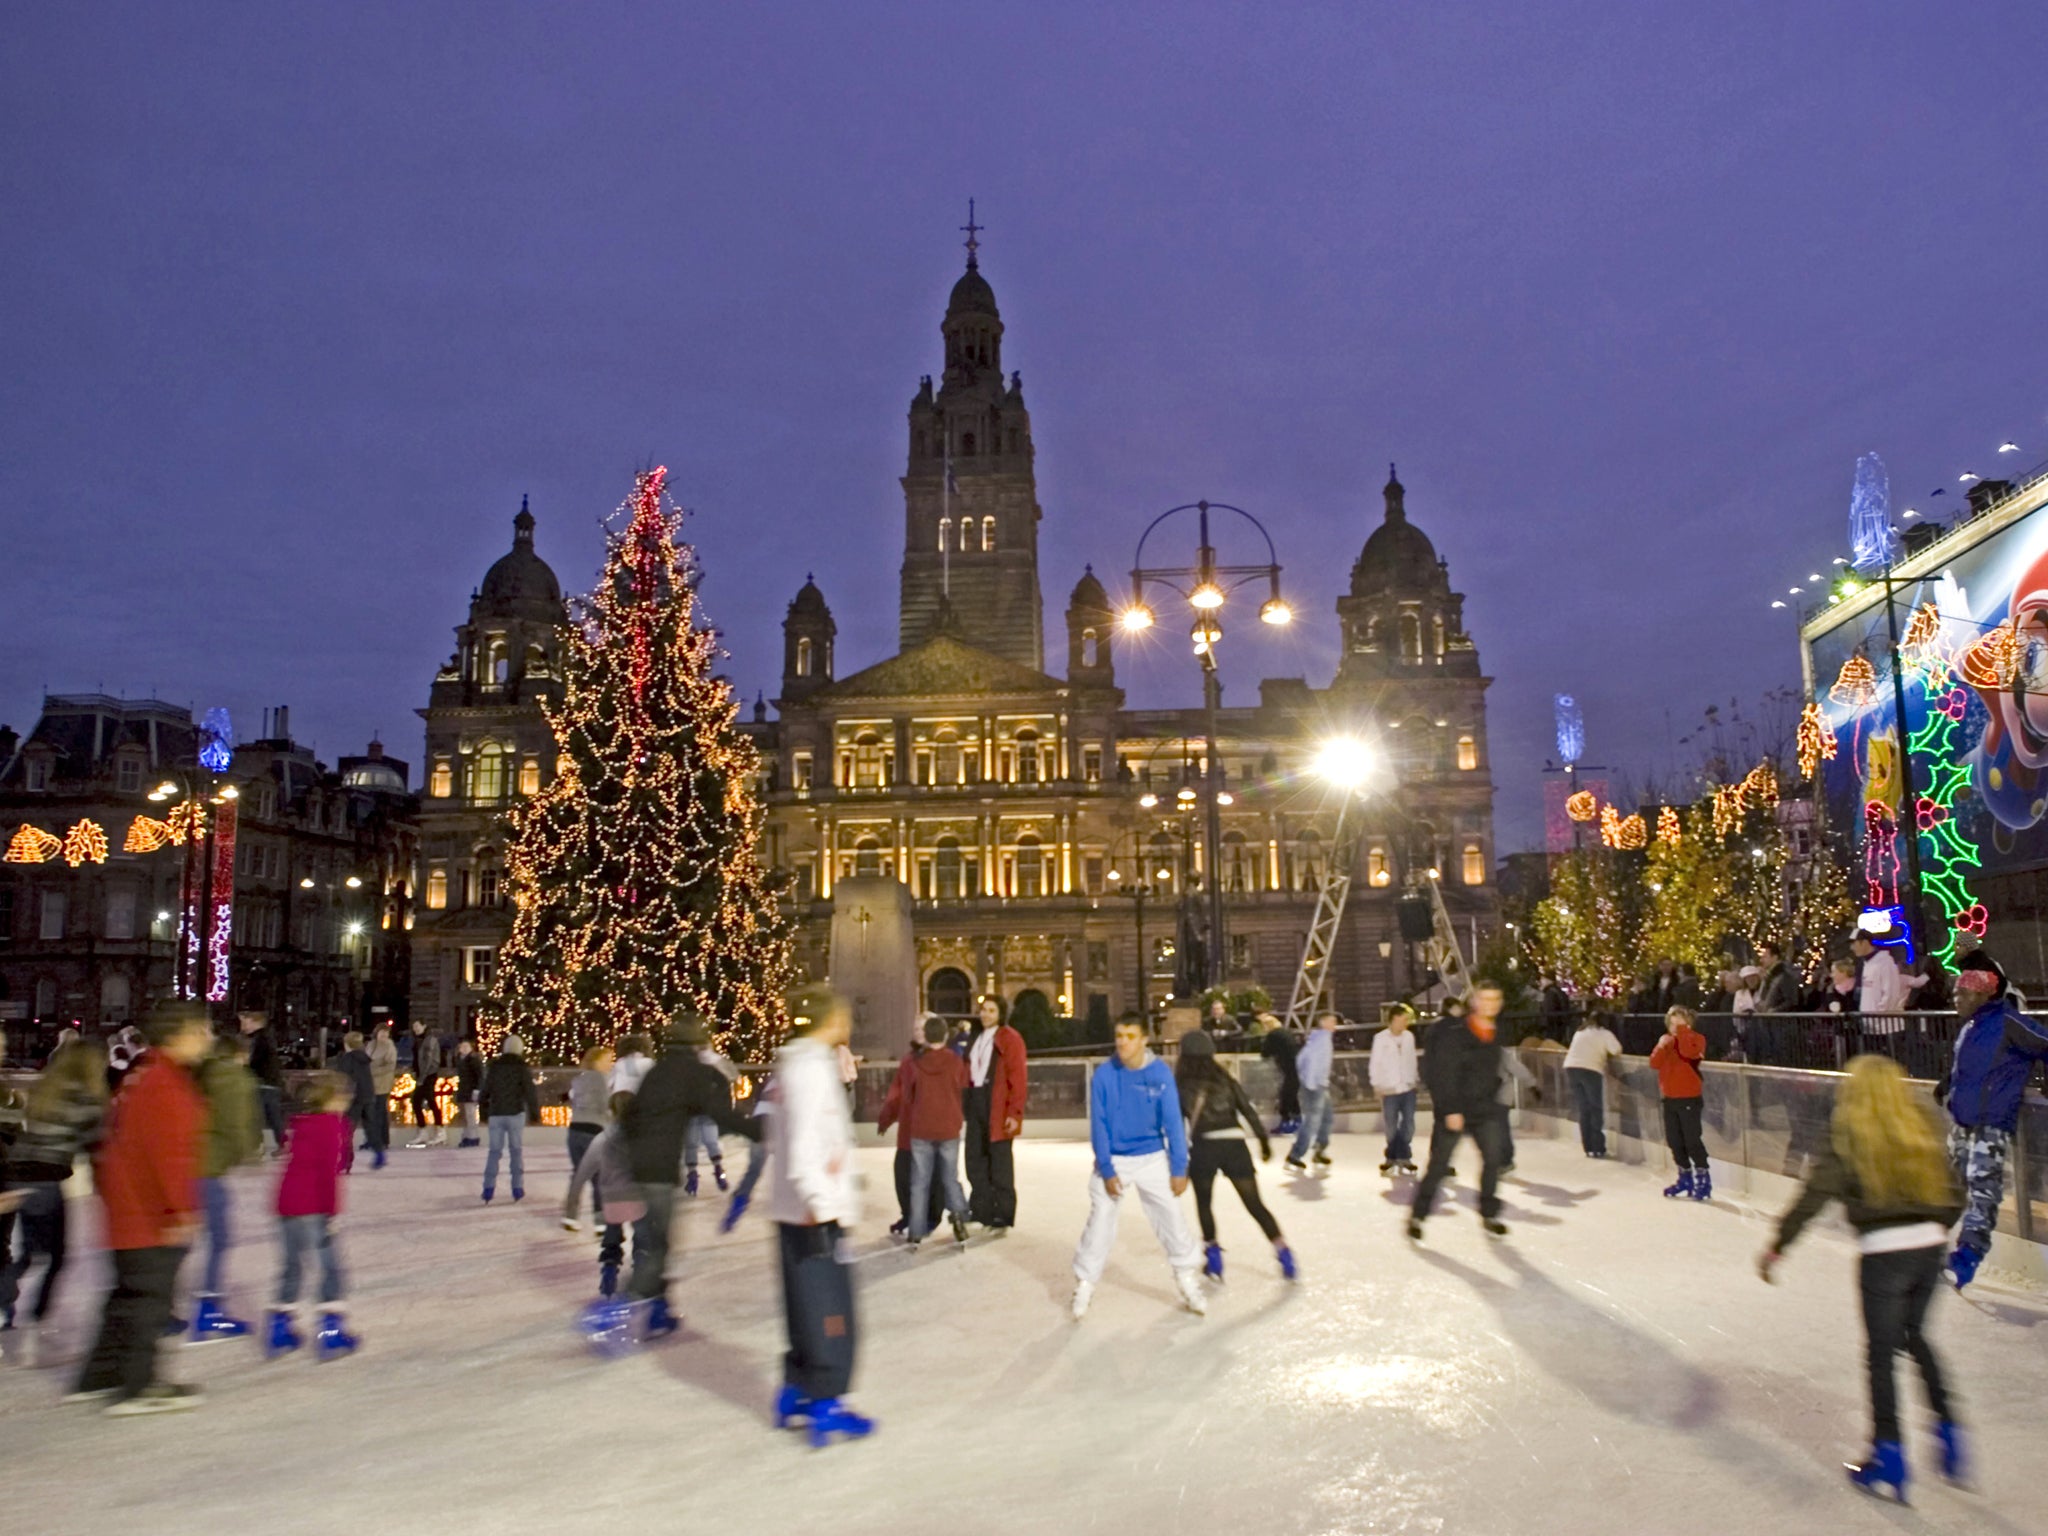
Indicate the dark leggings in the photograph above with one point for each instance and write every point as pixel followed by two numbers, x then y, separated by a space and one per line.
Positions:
pixel 1232 1158
pixel 43 1234
pixel 1897 1288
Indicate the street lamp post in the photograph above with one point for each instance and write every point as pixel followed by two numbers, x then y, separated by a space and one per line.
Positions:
pixel 1206 585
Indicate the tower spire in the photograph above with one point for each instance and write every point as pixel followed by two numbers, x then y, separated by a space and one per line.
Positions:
pixel 972 230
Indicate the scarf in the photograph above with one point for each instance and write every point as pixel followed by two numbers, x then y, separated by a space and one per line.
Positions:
pixel 981 1055
pixel 1481 1028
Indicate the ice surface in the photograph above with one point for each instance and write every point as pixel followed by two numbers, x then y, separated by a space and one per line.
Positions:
pixel 1612 1367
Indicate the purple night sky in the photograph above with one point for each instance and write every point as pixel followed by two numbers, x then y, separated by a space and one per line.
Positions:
pixel 302 299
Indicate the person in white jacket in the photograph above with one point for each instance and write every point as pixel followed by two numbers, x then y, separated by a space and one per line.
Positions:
pixel 1395 1079
pixel 814 1199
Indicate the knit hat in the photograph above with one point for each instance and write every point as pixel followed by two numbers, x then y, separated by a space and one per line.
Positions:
pixel 513 1046
pixel 687 1029
pixel 1197 1042
pixel 1978 972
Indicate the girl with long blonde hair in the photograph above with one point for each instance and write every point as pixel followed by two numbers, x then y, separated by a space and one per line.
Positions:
pixel 1885 1162
pixel 61 1122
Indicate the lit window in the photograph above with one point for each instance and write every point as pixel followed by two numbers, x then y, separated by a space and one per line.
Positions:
pixel 1475 864
pixel 945 534
pixel 487 776
pixel 1468 753
pixel 988 533
pixel 1030 868
pixel 437 889
pixel 1027 757
pixel 487 888
pixel 529 776
pixel 442 784
pixel 946 869
pixel 966 534
pixel 1091 764
pixel 1376 869
pixel 480 964
pixel 800 772
pixel 803 657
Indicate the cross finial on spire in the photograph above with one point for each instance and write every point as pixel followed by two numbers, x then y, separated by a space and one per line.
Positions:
pixel 972 230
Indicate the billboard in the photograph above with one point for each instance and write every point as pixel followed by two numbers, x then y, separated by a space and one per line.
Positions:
pixel 1930 690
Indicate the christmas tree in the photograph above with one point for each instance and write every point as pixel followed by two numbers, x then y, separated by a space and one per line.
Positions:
pixel 636 876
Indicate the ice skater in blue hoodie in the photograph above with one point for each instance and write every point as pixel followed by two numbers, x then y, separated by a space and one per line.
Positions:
pixel 1141 1143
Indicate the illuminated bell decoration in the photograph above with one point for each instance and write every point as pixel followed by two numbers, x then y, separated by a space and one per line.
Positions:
pixel 1993 660
pixel 1584 806
pixel 1667 826
pixel 85 843
pixel 145 835
pixel 1856 684
pixel 31 845
pixel 1634 832
pixel 1760 787
pixel 1816 741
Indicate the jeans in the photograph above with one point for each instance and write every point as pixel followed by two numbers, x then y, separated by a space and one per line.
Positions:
pixel 123 1358
pixel 1589 1100
pixel 580 1138
pixel 1682 1133
pixel 817 1303
pixel 757 1163
pixel 272 1100
pixel 377 1123
pixel 506 1131
pixel 219 1203
pixel 924 1157
pixel 650 1262
pixel 469 1113
pixel 702 1133
pixel 426 1109
pixel 303 1235
pixel 1397 1113
pixel 1897 1288
pixel 1317 1116
pixel 43 1228
pixel 1490 1131
pixel 611 1244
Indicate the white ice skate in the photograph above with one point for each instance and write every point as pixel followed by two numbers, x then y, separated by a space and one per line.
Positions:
pixel 1084 1292
pixel 1190 1283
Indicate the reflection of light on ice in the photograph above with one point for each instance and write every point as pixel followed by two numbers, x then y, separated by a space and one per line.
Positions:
pixel 1439 1391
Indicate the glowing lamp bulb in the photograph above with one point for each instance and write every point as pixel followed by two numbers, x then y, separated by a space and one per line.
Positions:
pixel 1186 797
pixel 1344 761
pixel 1207 596
pixel 1225 797
pixel 306 884
pixel 1274 611
pixel 1148 800
pixel 354 882
pixel 1137 617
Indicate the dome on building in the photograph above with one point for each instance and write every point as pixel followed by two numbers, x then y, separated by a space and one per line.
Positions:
pixel 520 581
pixel 1088 592
pixel 809 602
pixel 1399 554
pixel 972 294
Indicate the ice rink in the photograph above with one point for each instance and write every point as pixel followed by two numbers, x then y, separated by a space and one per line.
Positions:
pixel 1614 1366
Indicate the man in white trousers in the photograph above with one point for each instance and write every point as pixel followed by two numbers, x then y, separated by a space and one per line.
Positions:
pixel 1141 1144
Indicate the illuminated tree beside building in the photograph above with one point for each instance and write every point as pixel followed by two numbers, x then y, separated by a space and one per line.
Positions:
pixel 636 875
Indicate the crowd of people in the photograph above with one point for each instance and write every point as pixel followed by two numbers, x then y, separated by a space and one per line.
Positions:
pixel 167 1119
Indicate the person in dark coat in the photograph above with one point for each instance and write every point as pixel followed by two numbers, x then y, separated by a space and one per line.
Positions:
pixel 1779 992
pixel 511 1102
pixel 677 1088
pixel 1280 1046
pixel 267 1067
pixel 426 1092
pixel 1689 993
pixel 354 1064
pixel 469 1087
pixel 1461 1067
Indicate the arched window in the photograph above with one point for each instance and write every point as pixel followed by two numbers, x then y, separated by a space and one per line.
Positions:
pixel 1436 636
pixel 441 785
pixel 437 889
pixel 803 657
pixel 1027 756
pixel 988 533
pixel 500 665
pixel 946 869
pixel 966 534
pixel 529 776
pixel 1468 753
pixel 1474 864
pixel 1030 867
pixel 945 532
pixel 487 776
pixel 1088 648
pixel 1369 639
pixel 867 857
pixel 949 993
pixel 1378 872
pixel 1411 637
pixel 1237 863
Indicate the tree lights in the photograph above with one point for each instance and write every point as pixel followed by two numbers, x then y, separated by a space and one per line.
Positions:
pixel 636 876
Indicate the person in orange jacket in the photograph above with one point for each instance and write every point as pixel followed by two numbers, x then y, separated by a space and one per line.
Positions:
pixel 1677 1061
pixel 147 1174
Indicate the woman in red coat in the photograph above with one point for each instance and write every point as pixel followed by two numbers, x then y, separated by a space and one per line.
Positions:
pixel 999 1077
